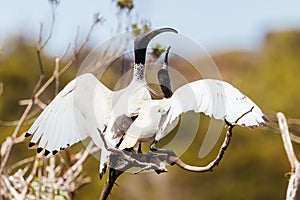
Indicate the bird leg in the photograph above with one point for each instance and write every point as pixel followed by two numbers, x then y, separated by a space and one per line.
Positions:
pixel 153 146
pixel 119 143
pixel 140 148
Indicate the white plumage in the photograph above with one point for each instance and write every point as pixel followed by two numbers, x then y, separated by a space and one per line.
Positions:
pixel 214 98
pixel 70 118
pixel 85 105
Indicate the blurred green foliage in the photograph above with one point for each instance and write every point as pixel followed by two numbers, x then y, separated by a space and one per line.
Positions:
pixel 125 4
pixel 18 75
pixel 158 50
pixel 144 27
pixel 277 73
pixel 255 163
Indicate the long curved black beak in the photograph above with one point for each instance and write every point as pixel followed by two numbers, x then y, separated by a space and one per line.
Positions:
pixel 142 41
pixel 164 78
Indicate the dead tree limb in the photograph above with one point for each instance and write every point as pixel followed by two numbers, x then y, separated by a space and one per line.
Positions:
pixel 213 163
pixel 295 165
pixel 121 161
pixel 110 182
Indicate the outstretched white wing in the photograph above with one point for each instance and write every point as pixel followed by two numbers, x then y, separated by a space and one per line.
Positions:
pixel 74 114
pixel 216 99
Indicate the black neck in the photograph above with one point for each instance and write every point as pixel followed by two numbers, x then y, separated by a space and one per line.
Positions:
pixel 164 82
pixel 140 56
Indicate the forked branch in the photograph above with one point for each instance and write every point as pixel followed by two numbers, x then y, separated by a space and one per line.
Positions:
pixel 121 161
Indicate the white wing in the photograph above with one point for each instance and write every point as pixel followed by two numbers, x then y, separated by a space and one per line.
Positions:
pixel 216 99
pixel 74 114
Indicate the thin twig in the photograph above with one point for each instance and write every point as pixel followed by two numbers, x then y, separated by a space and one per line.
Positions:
pixel 41 46
pixel 39 49
pixel 20 163
pixel 38 90
pixel 295 138
pixel 87 39
pixel 37 102
pixel 55 73
pixel 14 123
pixel 52 78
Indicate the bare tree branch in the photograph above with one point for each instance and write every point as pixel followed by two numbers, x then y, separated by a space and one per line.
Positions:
pixel 41 46
pixel 14 123
pixel 212 164
pixel 55 73
pixel 121 161
pixel 46 175
pixel 16 131
pixel 20 163
pixel 295 165
pixel 287 140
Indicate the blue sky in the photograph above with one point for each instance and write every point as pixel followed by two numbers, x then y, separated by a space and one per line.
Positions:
pixel 216 25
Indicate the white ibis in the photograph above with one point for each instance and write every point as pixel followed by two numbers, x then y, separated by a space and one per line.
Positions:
pixel 123 122
pixel 215 98
pixel 85 105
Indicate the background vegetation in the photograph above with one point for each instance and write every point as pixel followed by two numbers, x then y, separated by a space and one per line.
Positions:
pixel 255 164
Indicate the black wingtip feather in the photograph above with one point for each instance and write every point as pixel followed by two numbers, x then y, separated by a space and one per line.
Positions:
pixel 265 118
pixel 61 148
pixel 54 152
pixel 251 127
pixel 39 150
pixel 263 124
pixel 31 144
pixel 27 134
pixel 47 152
